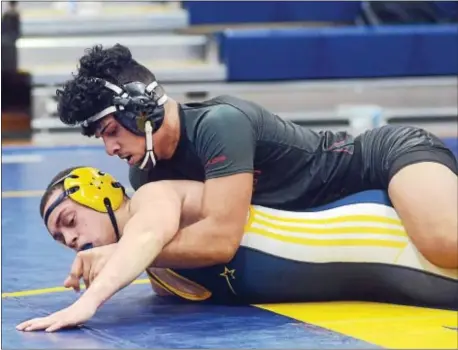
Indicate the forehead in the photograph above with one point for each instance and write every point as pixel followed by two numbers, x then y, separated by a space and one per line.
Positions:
pixel 107 119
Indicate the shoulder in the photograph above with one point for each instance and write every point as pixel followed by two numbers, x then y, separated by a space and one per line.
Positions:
pixel 152 192
pixel 164 190
pixel 224 116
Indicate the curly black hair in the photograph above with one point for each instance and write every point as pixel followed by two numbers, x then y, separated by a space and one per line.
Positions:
pixel 114 64
pixel 83 96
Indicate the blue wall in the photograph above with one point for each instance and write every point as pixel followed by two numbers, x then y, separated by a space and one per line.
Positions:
pixel 346 52
pixel 223 12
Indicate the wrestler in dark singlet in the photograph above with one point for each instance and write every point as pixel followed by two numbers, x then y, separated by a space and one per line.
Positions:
pixel 294 168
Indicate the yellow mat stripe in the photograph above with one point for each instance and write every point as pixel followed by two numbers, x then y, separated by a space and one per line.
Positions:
pixel 386 325
pixel 31 292
pixel 22 194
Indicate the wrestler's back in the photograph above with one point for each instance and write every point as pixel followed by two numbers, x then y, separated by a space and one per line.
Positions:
pixel 316 162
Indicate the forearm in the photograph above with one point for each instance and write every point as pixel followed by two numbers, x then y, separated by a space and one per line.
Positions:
pixel 130 259
pixel 199 245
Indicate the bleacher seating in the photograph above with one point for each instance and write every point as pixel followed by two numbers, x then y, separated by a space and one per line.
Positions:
pixel 297 44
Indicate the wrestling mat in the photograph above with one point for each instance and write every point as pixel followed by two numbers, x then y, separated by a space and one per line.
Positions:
pixel 34 267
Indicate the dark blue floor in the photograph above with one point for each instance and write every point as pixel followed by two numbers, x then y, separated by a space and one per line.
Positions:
pixel 134 318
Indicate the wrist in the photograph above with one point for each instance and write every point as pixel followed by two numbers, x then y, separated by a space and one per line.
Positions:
pixel 97 294
pixel 88 301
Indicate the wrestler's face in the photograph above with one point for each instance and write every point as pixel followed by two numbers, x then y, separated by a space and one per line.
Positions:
pixel 121 142
pixel 75 225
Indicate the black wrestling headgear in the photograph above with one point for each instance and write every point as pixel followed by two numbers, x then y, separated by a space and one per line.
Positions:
pixel 137 107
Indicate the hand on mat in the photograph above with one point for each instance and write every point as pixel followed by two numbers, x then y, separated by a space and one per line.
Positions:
pixel 87 265
pixel 74 315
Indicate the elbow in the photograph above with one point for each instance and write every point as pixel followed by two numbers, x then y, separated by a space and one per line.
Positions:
pixel 225 254
pixel 228 247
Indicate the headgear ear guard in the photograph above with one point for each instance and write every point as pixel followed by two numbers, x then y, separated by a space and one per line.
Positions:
pixel 92 188
pixel 139 108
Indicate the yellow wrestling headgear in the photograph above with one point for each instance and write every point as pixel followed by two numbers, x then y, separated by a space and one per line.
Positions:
pixel 92 188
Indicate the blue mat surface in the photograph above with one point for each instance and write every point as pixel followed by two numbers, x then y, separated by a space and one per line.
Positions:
pixel 134 318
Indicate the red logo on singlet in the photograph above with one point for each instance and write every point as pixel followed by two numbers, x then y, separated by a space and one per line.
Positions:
pixel 341 146
pixel 216 160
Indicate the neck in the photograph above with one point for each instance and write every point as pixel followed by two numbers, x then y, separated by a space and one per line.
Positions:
pixel 123 215
pixel 167 137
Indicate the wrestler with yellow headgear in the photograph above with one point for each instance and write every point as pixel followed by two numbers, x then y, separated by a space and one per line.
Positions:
pixel 85 208
pixel 95 191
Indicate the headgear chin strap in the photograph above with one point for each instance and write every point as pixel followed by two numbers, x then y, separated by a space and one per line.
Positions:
pixel 139 108
pixel 149 146
pixel 92 188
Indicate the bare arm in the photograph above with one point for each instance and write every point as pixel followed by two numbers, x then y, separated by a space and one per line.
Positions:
pixel 216 237
pixel 225 143
pixel 154 223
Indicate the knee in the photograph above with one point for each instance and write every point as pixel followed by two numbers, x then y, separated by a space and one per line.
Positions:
pixel 442 247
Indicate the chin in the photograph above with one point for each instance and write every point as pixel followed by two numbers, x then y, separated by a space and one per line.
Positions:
pixel 139 158
pixel 138 162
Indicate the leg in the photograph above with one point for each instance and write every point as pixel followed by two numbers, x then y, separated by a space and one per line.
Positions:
pixel 420 174
pixel 425 195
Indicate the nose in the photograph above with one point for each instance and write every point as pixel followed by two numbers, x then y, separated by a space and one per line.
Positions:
pixel 111 147
pixel 71 239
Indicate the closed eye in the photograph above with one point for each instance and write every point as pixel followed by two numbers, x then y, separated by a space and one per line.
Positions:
pixel 70 221
pixel 59 237
pixel 112 132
